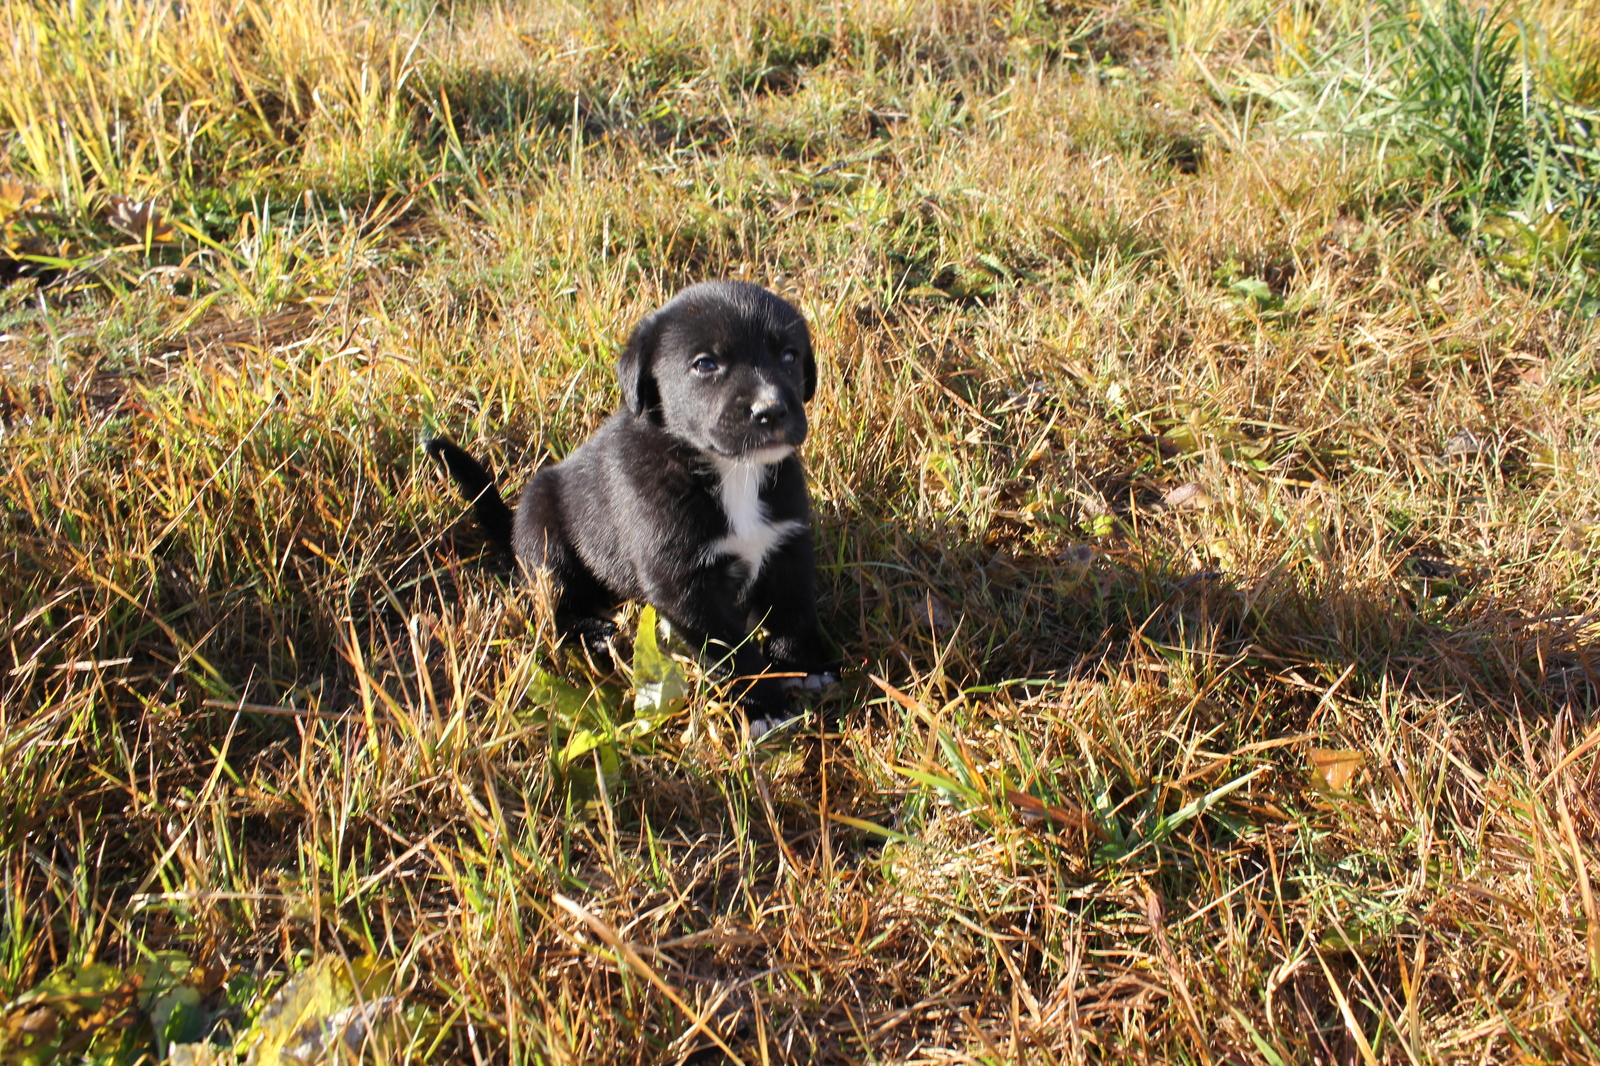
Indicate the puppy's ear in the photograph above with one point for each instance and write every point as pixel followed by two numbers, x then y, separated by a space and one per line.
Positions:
pixel 635 372
pixel 810 366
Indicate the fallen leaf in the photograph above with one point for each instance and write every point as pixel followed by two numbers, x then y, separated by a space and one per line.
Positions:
pixel 930 613
pixel 98 1008
pixel 1533 374
pixel 1002 567
pixel 141 219
pixel 1186 497
pixel 1032 398
pixel 1464 442
pixel 199 1054
pixel 17 196
pixel 1077 558
pixel 1335 768
pixel 331 1010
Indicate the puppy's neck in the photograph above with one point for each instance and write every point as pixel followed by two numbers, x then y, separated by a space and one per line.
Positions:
pixel 771 455
pixel 751 536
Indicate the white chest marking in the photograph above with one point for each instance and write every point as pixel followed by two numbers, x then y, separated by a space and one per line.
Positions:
pixel 751 535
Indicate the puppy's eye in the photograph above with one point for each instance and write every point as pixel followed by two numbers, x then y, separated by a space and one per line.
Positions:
pixel 704 365
pixel 789 356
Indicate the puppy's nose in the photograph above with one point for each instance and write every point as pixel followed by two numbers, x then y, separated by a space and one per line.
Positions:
pixel 768 412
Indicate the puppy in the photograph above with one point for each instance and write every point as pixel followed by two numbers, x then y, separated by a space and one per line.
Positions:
pixel 690 498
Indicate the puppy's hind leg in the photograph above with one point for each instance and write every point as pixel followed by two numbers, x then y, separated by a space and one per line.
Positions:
pixel 582 603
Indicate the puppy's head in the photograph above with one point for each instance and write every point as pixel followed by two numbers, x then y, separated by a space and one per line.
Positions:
pixel 726 366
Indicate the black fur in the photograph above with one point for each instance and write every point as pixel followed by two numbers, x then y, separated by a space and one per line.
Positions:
pixel 711 382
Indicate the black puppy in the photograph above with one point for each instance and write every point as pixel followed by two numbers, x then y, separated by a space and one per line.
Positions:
pixel 691 497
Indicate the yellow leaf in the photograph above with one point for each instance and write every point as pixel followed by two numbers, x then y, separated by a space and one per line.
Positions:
pixel 1335 768
pixel 658 681
pixel 292 1030
pixel 17 196
pixel 331 1012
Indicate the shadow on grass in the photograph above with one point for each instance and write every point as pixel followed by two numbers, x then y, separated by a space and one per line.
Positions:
pixel 983 615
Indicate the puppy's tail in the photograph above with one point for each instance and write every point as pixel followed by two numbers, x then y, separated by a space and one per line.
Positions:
pixel 477 484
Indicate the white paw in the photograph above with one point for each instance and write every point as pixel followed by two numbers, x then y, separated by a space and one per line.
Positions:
pixel 812 683
pixel 818 682
pixel 760 727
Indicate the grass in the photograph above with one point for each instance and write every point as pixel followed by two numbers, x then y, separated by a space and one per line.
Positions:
pixel 1210 523
pixel 1495 106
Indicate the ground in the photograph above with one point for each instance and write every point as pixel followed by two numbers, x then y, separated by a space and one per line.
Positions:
pixel 1208 508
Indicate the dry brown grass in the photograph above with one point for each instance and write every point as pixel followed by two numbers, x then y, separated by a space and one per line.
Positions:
pixel 1302 770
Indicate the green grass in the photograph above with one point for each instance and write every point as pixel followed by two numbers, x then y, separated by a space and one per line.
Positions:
pixel 1492 106
pixel 1296 765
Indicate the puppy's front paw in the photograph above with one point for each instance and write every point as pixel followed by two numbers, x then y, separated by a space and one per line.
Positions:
pixel 763 722
pixel 594 639
pixel 812 684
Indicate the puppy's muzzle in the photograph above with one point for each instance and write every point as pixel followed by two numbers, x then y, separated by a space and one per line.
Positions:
pixel 774 420
pixel 770 413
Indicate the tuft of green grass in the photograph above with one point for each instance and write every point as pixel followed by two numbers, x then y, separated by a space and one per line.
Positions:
pixel 1485 114
pixel 1208 524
